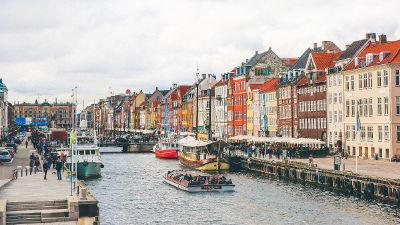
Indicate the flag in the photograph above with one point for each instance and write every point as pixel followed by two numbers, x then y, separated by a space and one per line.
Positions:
pixel 72 137
pixel 358 124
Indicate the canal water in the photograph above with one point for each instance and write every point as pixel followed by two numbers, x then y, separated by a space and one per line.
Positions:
pixel 131 191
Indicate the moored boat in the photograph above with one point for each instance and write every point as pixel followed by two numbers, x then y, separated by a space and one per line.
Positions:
pixel 202 155
pixel 194 182
pixel 166 150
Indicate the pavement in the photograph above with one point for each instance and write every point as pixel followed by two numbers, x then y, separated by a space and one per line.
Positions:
pixel 369 167
pixel 31 187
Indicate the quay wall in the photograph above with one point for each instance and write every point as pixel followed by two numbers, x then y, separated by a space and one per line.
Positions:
pixel 386 190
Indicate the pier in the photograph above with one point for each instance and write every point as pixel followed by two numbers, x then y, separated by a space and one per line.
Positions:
pixel 370 187
pixel 27 198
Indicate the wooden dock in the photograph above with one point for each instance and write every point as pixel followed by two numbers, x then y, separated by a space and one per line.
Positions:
pixel 386 190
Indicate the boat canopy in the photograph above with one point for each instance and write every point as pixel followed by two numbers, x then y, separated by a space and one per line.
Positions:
pixel 288 140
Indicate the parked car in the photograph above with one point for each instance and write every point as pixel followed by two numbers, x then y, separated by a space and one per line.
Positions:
pixel 5 156
pixel 13 145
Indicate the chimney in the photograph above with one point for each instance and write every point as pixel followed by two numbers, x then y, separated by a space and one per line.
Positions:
pixel 315 46
pixel 371 37
pixel 325 45
pixel 347 46
pixel 269 49
pixel 256 52
pixel 204 76
pixel 156 88
pixel 247 60
pixel 174 85
pixel 382 39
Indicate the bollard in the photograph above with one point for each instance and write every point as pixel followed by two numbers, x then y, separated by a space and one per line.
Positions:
pixel 77 191
pixel 16 174
pixel 83 194
pixel 26 171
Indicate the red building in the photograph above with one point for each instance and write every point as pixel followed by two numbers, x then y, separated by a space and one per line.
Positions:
pixel 239 105
pixel 311 89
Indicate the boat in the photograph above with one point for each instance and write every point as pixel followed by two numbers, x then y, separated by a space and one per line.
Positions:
pixel 202 155
pixel 195 182
pixel 166 150
pixel 87 157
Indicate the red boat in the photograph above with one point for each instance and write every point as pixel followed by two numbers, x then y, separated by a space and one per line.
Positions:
pixel 166 150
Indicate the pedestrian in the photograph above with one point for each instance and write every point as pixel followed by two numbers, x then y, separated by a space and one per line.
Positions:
pixel 62 158
pixel 26 144
pixel 31 165
pixel 45 167
pixel 37 164
pixel 59 166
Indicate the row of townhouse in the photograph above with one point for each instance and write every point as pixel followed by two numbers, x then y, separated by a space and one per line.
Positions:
pixel 316 95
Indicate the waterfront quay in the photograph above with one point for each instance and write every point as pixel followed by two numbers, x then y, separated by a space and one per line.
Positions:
pixel 365 184
pixel 27 197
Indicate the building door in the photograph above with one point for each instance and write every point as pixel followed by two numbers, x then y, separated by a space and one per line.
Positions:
pixel 366 152
pixel 372 152
pixel 360 151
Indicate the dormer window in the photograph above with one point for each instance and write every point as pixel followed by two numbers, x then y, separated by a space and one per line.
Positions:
pixel 369 58
pixel 383 55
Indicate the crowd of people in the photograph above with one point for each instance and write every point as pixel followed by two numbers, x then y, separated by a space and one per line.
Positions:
pixel 43 160
pixel 262 151
pixel 198 179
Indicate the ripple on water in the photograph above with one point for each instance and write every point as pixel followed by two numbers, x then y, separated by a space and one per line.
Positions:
pixel 131 191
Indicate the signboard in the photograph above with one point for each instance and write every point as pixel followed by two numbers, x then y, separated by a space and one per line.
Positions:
pixel 337 160
pixel 29 121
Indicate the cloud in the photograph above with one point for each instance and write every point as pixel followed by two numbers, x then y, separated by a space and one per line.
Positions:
pixel 48 47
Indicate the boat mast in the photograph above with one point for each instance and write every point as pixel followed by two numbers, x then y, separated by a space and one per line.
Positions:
pixel 197 103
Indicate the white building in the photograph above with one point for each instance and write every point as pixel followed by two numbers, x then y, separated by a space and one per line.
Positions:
pixel 221 111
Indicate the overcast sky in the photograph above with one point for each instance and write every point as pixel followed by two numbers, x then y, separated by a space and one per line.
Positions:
pixel 48 47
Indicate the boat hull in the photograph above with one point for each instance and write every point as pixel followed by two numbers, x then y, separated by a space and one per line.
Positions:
pixel 88 170
pixel 188 160
pixel 166 154
pixel 200 188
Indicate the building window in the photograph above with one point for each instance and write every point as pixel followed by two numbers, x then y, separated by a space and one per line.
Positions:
pixel 365 107
pixel 385 78
pixel 347 108
pixel 362 133
pixel 397 77
pixel 398 133
pixel 397 105
pixel 361 108
pixel 379 78
pixel 347 84
pixel 371 113
pixel 340 97
pixel 386 134
pixel 347 132
pixel 387 153
pixel 360 81
pixel 340 115
pixel 379 133
pixel 352 83
pixel 379 106
pixel 369 80
pixel 386 99
pixel 365 81
pixel 353 107
pixel 370 133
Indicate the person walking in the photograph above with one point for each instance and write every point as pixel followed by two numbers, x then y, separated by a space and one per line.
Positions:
pixel 45 167
pixel 26 144
pixel 59 166
pixel 37 164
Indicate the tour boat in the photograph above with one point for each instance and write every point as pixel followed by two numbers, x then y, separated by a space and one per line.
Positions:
pixel 202 155
pixel 86 156
pixel 166 150
pixel 192 182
